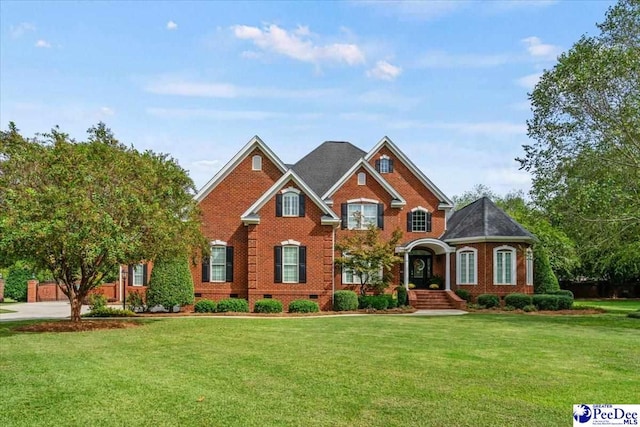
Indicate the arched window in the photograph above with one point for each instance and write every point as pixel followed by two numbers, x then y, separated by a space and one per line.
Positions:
pixel 467 266
pixel 290 204
pixel 362 178
pixel 504 265
pixel 419 219
pixel 256 163
pixel 384 164
pixel 529 255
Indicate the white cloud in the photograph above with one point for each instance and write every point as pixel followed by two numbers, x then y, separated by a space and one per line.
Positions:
pixel 183 88
pixel 384 71
pixel 537 49
pixel 298 44
pixel 179 87
pixel 529 81
pixel 201 113
pixel 17 31
pixel 441 59
pixel 467 128
pixel 43 43
pixel 172 26
pixel 107 111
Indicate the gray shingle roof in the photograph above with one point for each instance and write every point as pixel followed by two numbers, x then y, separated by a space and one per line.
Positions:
pixel 325 165
pixel 483 218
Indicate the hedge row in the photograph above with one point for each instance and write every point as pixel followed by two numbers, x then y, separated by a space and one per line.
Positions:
pixel 267 305
pixel 559 300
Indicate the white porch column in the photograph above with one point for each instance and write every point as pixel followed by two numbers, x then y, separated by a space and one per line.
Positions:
pixel 447 274
pixel 406 270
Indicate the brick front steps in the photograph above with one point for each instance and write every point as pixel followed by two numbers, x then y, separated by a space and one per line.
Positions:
pixel 434 300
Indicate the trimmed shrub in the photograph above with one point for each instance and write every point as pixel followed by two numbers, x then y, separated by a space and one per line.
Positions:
pixel 464 294
pixel 517 300
pixel 529 308
pixel 97 301
pixel 377 302
pixel 392 302
pixel 109 312
pixel 234 305
pixel 564 292
pixel 267 306
pixel 403 298
pixel 488 300
pixel 303 306
pixel 171 283
pixel 546 302
pixel 345 301
pixel 565 302
pixel 135 302
pixel 205 306
pixel 15 287
pixel 544 280
pixel 508 308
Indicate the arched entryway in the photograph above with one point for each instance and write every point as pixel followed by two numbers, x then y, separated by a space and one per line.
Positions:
pixel 423 259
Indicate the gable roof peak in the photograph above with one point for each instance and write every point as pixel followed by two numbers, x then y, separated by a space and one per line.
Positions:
pixel 254 142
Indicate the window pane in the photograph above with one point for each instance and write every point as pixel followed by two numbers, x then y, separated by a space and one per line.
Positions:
pixel 290 264
pixel 218 263
pixel 472 267
pixel 384 165
pixel 463 268
pixel 507 267
pixel 419 221
pixel 353 213
pixel 500 266
pixel 370 215
pixel 290 204
pixel 138 275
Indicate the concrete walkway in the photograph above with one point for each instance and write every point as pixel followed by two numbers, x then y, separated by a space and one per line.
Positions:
pixel 39 310
pixel 62 310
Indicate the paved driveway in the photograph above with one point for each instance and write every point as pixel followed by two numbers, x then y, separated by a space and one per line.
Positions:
pixel 39 310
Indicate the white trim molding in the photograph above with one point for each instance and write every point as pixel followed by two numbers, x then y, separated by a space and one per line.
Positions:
pixel 514 264
pixel 217 243
pixel 290 190
pixel 290 242
pixel 459 253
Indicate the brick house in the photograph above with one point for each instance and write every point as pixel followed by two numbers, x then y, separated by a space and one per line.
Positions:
pixel 273 228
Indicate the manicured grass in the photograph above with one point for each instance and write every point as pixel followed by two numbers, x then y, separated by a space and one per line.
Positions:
pixel 611 305
pixel 472 370
pixel 4 310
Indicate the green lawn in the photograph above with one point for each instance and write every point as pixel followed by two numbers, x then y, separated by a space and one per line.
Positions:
pixel 4 310
pixel 611 305
pixel 472 370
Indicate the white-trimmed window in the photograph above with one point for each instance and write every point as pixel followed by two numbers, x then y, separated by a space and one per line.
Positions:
pixel 384 164
pixel 350 278
pixel 362 215
pixel 362 178
pixel 256 163
pixel 290 266
pixel 504 265
pixel 138 275
pixel 290 203
pixel 467 266
pixel 529 255
pixel 419 220
pixel 218 263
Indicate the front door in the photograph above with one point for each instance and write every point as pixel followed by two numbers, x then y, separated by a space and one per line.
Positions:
pixel 420 270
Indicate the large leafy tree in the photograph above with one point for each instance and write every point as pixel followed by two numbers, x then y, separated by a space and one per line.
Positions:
pixel 585 158
pixel 81 209
pixel 366 253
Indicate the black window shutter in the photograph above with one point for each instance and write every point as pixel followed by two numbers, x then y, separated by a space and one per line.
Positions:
pixel 130 281
pixel 302 264
pixel 390 165
pixel 277 256
pixel 144 275
pixel 378 165
pixel 380 216
pixel 229 269
pixel 205 269
pixel 344 215
pixel 428 218
pixel 301 205
pixel 409 221
pixel 279 204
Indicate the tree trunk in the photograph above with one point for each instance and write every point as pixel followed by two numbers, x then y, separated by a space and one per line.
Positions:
pixel 76 306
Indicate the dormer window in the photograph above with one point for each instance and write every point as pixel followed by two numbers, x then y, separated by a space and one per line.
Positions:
pixel 256 163
pixel 384 164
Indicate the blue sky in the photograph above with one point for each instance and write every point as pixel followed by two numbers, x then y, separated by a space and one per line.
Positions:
pixel 447 81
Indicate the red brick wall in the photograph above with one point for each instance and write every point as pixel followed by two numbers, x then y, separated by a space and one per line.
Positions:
pixel 221 211
pixel 485 270
pixel 415 193
pixel 309 232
